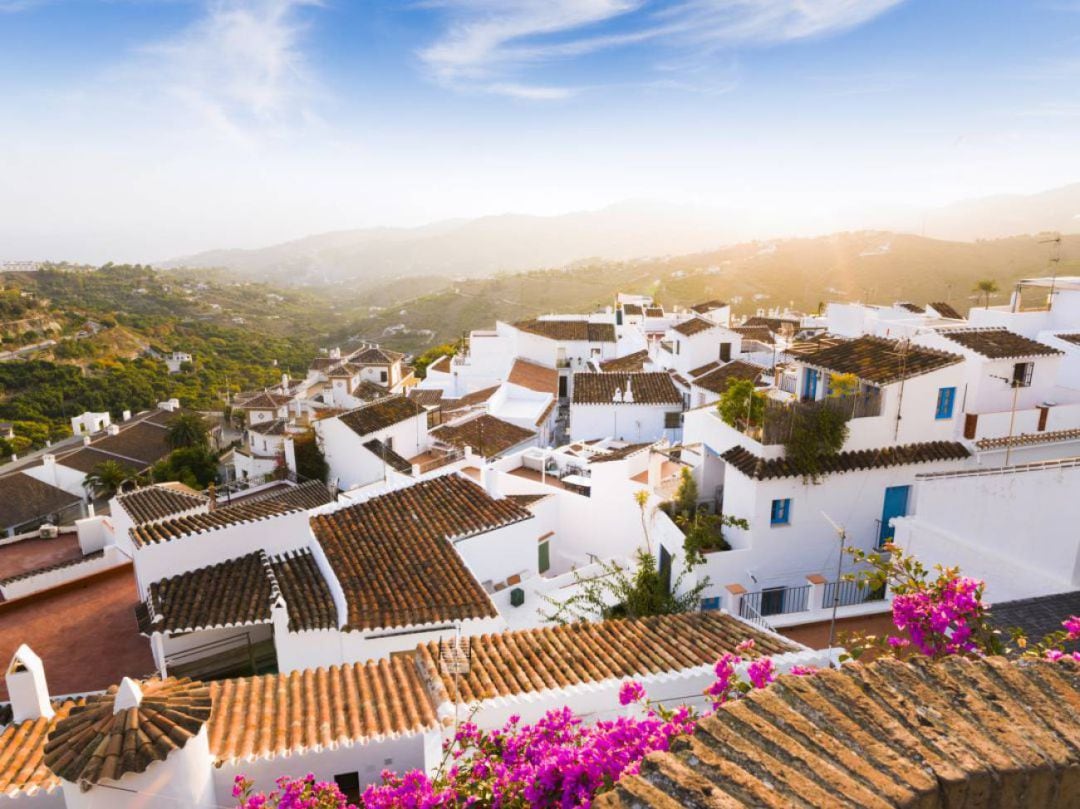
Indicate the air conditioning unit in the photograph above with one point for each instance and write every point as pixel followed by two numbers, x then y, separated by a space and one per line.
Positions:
pixel 48 531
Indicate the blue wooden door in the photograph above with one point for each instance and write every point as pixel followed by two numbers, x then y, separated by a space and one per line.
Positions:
pixel 896 500
pixel 810 384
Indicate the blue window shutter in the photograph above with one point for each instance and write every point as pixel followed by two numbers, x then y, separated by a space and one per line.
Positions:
pixel 780 511
pixel 945 399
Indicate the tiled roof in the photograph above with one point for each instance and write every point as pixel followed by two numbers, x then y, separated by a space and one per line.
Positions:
pixel 765 469
pixel 1028 439
pixel 232 593
pixel 26 574
pixel 1073 338
pixel 569 330
pixel 22 752
pixel 531 660
pixel 442 365
pixel 534 377
pixel 318 709
pixel 763 334
pixel 998 344
pixel 393 556
pixel 813 345
pixel 24 499
pixel 344 369
pixel 647 388
pixel 264 401
pixel 371 418
pixel 955 733
pixel 86 458
pixel 307 495
pixel 877 360
pixel 718 380
pixel 620 453
pixel 708 306
pixel 376 356
pixel 914 308
pixel 946 310
pixel 152 503
pixel 546 412
pixel 272 427
pixel 1038 617
pixel 704 369
pixel 486 434
pixel 220 517
pixel 654 311
pixel 241 591
pixel 388 456
pixel 95 744
pixel 143 442
pixel 526 499
pixel 631 309
pixel 632 363
pixel 470 402
pixel 694 325
pixel 426 397
pixel 369 391
pixel 773 324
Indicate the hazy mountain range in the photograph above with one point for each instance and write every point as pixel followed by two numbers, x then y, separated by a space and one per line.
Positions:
pixel 513 243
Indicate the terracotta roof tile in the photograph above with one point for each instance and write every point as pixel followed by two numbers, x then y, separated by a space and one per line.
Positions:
pixel 631 363
pixel 765 469
pixel 388 456
pixel 914 308
pixel 220 517
pixel 946 310
pixel 695 325
pixel 569 330
pixel 1038 617
pixel 376 356
pixel 648 388
pixel 530 660
pixel 654 311
pixel 280 714
pixel 763 334
pixel 86 458
pixel 774 324
pixel 143 442
pixel 370 418
pixel 620 453
pixel 488 436
pixel 307 495
pixel 998 344
pixel 272 427
pixel 266 400
pixel 708 306
pixel 24 499
pixel 1073 338
pixel 877 360
pixel 632 309
pixel 718 380
pixel 426 397
pixel 956 733
pixel 307 595
pixel 152 503
pixel 94 743
pixel 704 369
pixel 22 752
pixel 393 556
pixel 534 377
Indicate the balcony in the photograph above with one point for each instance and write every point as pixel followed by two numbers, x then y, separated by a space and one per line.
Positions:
pixel 808 603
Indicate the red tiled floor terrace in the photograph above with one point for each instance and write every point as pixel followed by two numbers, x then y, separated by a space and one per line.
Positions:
pixel 84 631
pixel 35 554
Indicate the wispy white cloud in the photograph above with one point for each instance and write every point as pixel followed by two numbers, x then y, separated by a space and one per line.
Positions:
pixel 487 41
pixel 239 65
pixel 13 6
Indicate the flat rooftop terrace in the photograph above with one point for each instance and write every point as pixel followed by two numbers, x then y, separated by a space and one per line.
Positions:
pixel 84 631
pixel 29 555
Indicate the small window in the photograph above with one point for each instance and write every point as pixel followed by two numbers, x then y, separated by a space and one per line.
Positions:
pixel 545 556
pixel 349 784
pixel 946 397
pixel 382 376
pixel 710 603
pixel 781 512
pixel 1022 373
pixel 725 352
pixel 672 420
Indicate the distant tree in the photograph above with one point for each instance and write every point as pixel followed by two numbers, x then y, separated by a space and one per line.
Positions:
pixel 310 462
pixel 986 287
pixel 105 479
pixel 195 466
pixel 188 429
pixel 432 355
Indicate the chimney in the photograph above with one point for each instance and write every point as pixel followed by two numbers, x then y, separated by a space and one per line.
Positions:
pixel 128 695
pixel 618 396
pixel 284 383
pixel 628 395
pixel 48 463
pixel 27 688
pixel 113 429
pixel 86 440
pixel 489 479
pixel 211 492
pixel 126 415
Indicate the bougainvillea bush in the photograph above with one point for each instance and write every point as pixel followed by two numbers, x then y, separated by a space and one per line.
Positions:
pixel 560 762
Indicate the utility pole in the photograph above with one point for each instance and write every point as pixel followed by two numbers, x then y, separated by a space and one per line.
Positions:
pixel 841 534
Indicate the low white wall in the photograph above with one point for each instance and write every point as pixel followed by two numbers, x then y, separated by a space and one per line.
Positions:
pixel 46 580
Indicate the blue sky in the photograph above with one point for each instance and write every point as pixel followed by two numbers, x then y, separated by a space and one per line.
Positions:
pixel 143 129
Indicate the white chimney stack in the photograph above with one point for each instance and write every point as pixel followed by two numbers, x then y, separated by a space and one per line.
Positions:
pixel 489 479
pixel 113 429
pixel 128 695
pixel 27 688
pixel 127 415
pixel 628 396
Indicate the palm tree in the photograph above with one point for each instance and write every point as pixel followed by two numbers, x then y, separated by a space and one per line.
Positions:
pixel 188 430
pixel 106 478
pixel 986 287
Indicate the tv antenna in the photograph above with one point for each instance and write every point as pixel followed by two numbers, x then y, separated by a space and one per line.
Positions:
pixel 1055 260
pixel 841 534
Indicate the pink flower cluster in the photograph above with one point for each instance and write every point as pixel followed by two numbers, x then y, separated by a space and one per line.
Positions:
pixel 291 793
pixel 556 762
pixel 940 619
